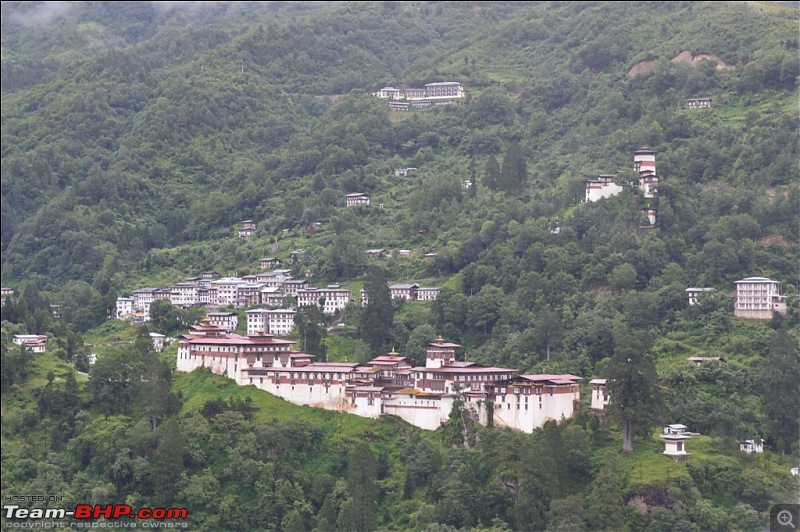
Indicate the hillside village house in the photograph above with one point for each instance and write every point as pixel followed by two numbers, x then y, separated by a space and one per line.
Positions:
pixel 423 396
pixel 35 343
pixel 356 198
pixel 695 293
pixel 757 298
pixel 249 228
pixel 751 446
pixel 698 103
pixel 269 262
pixel 6 292
pixel 210 276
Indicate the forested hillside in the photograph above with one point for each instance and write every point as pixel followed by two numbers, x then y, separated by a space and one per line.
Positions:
pixel 137 136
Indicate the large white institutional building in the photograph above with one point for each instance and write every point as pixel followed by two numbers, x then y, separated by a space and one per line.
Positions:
pixel 388 384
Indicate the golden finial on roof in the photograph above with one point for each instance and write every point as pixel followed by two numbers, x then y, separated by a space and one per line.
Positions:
pixel 439 338
pixel 393 352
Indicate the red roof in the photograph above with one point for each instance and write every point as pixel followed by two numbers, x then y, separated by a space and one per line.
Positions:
pixel 547 377
pixel 386 359
pixel 235 339
pixel 323 367
pixel 471 369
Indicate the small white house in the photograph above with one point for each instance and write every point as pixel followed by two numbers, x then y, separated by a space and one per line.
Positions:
pixel 795 471
pixel 599 394
pixel 675 445
pixel 751 446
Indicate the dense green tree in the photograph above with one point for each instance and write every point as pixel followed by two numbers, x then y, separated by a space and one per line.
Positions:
pixel 378 314
pixel 514 172
pixel 537 482
pixel 168 464
pixel 781 373
pixel 606 509
pixel 491 174
pixel 635 397
pixel 548 329
pixel 362 475
pixel 310 322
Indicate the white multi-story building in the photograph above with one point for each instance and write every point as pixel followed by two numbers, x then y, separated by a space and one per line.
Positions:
pixel 227 290
pixel 758 298
pixel 248 294
pixel 292 286
pixel 444 90
pixel 143 297
pixel 184 294
pixel 333 298
pixel 279 322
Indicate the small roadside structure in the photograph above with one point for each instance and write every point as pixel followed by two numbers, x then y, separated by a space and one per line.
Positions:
pixel 675 445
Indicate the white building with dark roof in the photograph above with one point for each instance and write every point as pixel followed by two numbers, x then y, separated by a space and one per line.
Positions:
pixel 224 320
